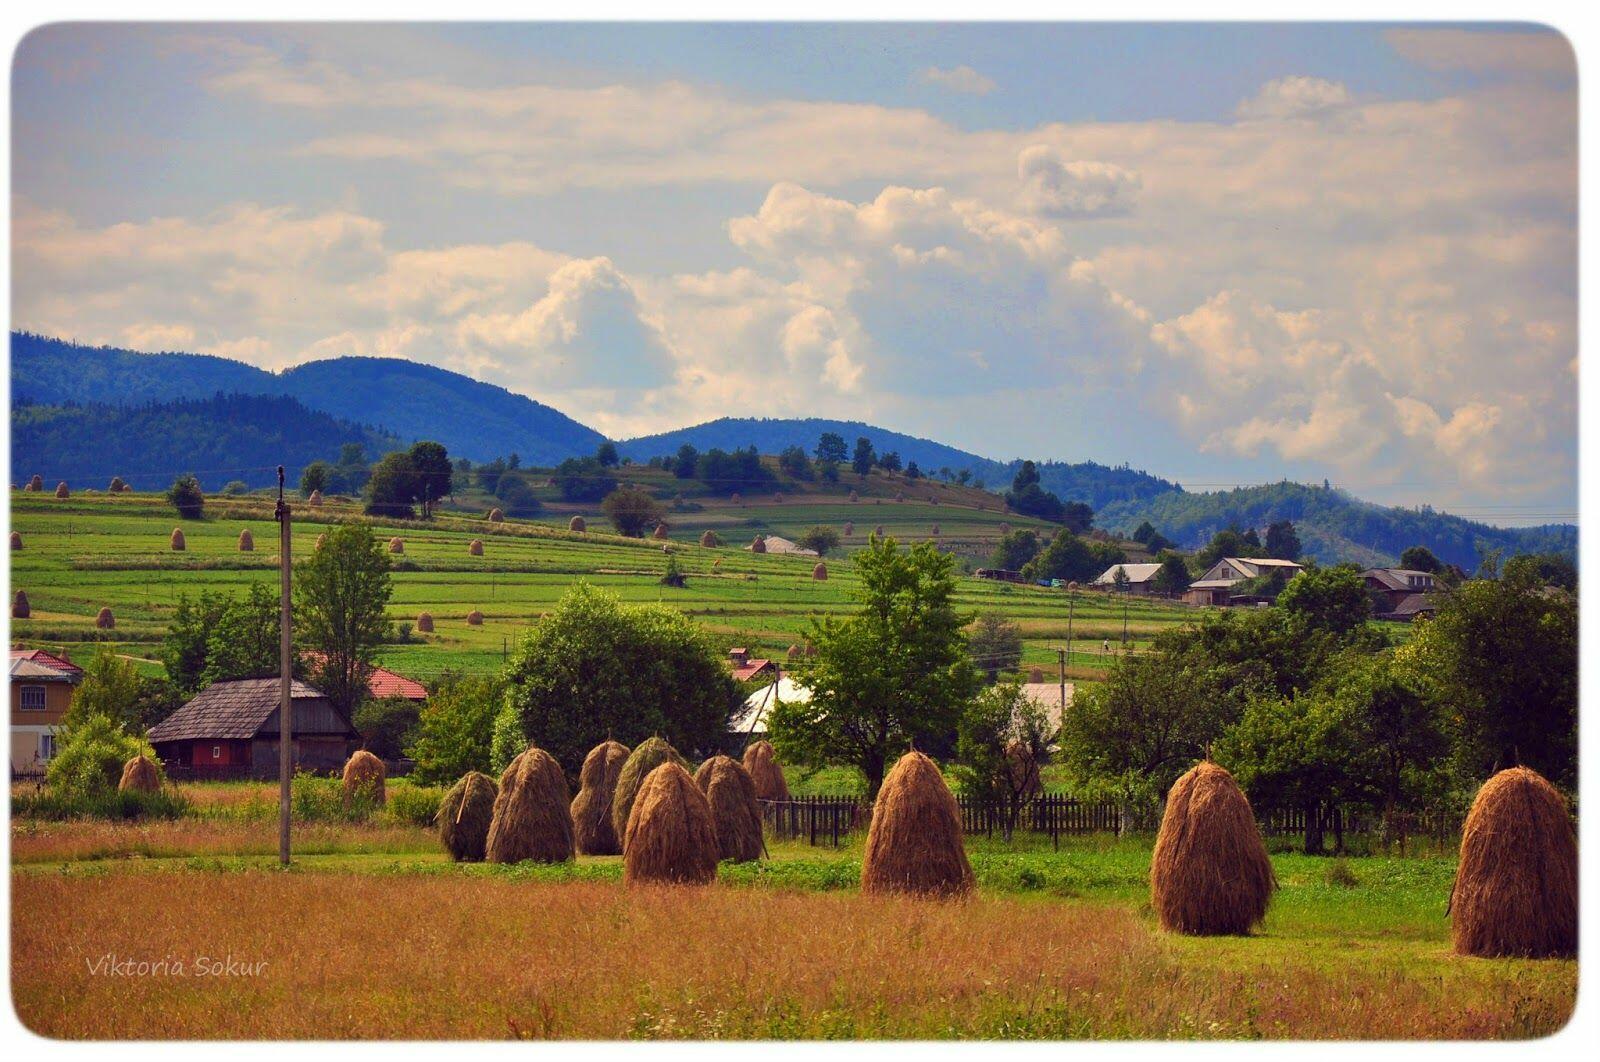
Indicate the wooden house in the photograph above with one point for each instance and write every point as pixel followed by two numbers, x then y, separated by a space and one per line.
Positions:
pixel 230 730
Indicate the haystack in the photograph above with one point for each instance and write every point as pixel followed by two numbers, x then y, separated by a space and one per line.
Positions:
pixel 935 530
pixel 116 486
pixel 397 545
pixel 1036 675
pixel 777 497
pixel 531 815
pixel 1516 889
pixel 36 484
pixel 475 548
pixel 322 538
pixel 425 622
pixel 16 540
pixel 758 545
pixel 670 837
pixel 464 816
pixel 820 572
pixel 854 497
pixel 1209 873
pixel 708 539
pixel 914 842
pixel 796 652
pixel 735 810
pixel 736 498
pixel 104 620
pixel 364 774
pixel 496 516
pixel 140 775
pixel 474 618
pixel 62 491
pixel 878 531
pixel 591 808
pixel 577 524
pixel 247 542
pixel 661 532
pixel 849 528
pixel 178 542
pixel 19 606
pixel 646 757
pixel 315 500
pixel 766 774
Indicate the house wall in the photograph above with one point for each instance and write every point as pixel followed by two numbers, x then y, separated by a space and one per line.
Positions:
pixel 57 699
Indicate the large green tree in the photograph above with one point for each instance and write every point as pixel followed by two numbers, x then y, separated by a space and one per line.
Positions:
pixel 341 592
pixel 1329 599
pixel 455 727
pixel 1003 741
pixel 631 511
pixel 433 472
pixel 897 672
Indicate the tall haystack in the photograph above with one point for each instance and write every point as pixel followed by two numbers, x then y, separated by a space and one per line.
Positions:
pixel 914 842
pixel 178 542
pixel 364 775
pixel 140 775
pixel 1036 674
pixel 19 606
pixel 854 497
pixel 591 808
pixel 397 545
pixel 646 757
pixel 16 540
pixel 425 623
pixel 531 815
pixel 820 572
pixel 878 531
pixel 577 523
pixel 247 542
pixel 496 516
pixel 104 620
pixel 321 539
pixel 670 837
pixel 464 816
pixel 796 652
pixel 474 618
pixel 736 498
pixel 735 810
pixel 315 500
pixel 36 484
pixel 1209 873
pixel 761 763
pixel 708 539
pixel 475 548
pixel 849 528
pixel 777 497
pixel 116 486
pixel 661 532
pixel 1516 890
pixel 758 545
pixel 62 491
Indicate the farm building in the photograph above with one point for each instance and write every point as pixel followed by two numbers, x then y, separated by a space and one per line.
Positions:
pixel 751 722
pixel 381 682
pixel 1215 587
pixel 42 685
pixel 1392 588
pixel 1049 697
pixel 745 667
pixel 778 544
pixel 230 730
pixel 1139 578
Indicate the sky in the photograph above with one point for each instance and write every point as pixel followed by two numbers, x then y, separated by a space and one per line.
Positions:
pixel 1223 253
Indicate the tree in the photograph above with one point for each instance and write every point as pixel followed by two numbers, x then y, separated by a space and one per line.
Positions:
pixel 683 466
pixel 1332 599
pixel 435 475
pixel 1077 516
pixel 595 668
pixel 386 725
pixel 314 477
pixel 831 448
pixel 184 648
pixel 995 644
pixel 912 471
pixel 1028 498
pixel 1172 578
pixel 741 470
pixel 455 727
pixel 631 511
pixel 1542 569
pixel 794 463
pixel 1144 533
pixel 1225 543
pixel 864 458
pixel 90 752
pixel 890 462
pixel 821 538
pixel 111 686
pixel 517 496
pixel 1067 557
pixel 1420 559
pixel 1015 549
pixel 1003 741
pixel 350 474
pixel 244 641
pixel 894 673
pixel 1282 541
pixel 393 486
pixel 606 454
pixel 583 479
pixel 1119 580
pixel 185 496
pixel 341 593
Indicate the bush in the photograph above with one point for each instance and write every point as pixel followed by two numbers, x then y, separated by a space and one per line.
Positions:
pixel 386 725
pixel 89 762
pixel 185 496
pixel 454 731
pixel 316 799
pixel 414 805
pixel 165 804
pixel 235 487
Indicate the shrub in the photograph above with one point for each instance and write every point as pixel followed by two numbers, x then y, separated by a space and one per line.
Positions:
pixel 414 805
pixel 185 496
pixel 47 805
pixel 93 750
pixel 454 732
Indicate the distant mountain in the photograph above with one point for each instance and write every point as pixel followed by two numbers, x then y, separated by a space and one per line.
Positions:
pixel 222 438
pixel 414 401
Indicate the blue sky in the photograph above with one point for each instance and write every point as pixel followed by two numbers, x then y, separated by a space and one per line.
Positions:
pixel 1225 253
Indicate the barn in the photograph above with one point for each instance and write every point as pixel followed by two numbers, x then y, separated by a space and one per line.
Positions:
pixel 230 730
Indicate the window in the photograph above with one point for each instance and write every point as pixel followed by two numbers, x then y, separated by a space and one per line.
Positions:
pixel 47 747
pixel 33 698
pixel 216 752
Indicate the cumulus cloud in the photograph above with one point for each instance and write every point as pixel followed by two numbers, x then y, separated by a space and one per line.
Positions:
pixel 1295 97
pixel 961 79
pixel 1055 185
pixel 1541 53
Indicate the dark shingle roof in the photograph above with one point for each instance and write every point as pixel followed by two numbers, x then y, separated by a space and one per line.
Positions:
pixel 223 711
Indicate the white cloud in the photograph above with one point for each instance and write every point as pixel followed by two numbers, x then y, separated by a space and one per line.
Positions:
pixel 1054 185
pixel 961 79
pixel 1295 97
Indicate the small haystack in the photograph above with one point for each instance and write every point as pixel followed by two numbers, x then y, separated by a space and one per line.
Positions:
pixel 854 497
pixel 19 606
pixel 475 548
pixel 670 838
pixel 116 486
pixel 16 540
pixel 820 572
pixel 777 497
pixel 646 757
pixel 140 775
pixel 496 516
pixel 591 808
pixel 247 542
pixel 531 816
pixel 321 539
pixel 464 816
pixel 474 618
pixel 364 776
pixel 766 774
pixel 878 531
pixel 104 620
pixel 661 532
pixel 1036 675
pixel 425 623
pixel 1516 889
pixel 936 531
pixel 758 545
pixel 397 545
pixel 315 500
pixel 36 484
pixel 849 528
pixel 62 491
pixel 736 498
pixel 914 842
pixel 178 542
pixel 577 523
pixel 1209 873
pixel 735 810
pixel 708 539
pixel 796 653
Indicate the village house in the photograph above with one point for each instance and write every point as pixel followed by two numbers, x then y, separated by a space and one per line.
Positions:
pixel 1139 578
pixel 1215 587
pixel 230 730
pixel 1400 593
pixel 381 682
pixel 745 667
pixel 42 685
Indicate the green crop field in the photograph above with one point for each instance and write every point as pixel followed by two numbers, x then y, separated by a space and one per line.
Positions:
pixel 94 550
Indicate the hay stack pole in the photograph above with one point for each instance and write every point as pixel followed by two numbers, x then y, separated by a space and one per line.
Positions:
pixel 464 817
pixel 20 609
pixel 670 837
pixel 597 789
pixel 735 810
pixel 140 775
pixel 247 542
pixel 1209 872
pixel 646 757
pixel 364 773
pixel 104 620
pixel 531 819
pixel 1516 888
pixel 761 762
pixel 914 844
pixel 425 622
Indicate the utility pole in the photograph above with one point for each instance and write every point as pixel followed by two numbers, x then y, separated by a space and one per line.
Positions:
pixel 285 677
pixel 1061 659
pixel 1124 623
pixel 1072 599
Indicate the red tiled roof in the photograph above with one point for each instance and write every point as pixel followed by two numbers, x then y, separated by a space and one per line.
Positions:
pixel 750 669
pixel 48 659
pixel 382 682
